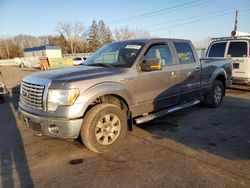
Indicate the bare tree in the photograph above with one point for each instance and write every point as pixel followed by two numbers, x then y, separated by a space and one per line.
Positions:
pixel 27 41
pixel 203 43
pixel 124 33
pixel 59 41
pixel 73 32
pixel 9 49
pixel 141 33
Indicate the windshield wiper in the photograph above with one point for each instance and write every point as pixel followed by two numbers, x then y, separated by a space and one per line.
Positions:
pixel 101 64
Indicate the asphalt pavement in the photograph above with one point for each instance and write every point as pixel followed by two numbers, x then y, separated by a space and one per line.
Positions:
pixel 195 147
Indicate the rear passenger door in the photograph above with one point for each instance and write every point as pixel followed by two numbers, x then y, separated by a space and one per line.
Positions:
pixel 190 71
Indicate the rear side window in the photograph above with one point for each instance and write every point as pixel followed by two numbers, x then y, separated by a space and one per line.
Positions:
pixel 217 49
pixel 237 49
pixel 184 52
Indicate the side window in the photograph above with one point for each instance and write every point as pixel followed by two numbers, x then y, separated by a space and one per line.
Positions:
pixel 159 52
pixel 217 49
pixel 184 52
pixel 237 49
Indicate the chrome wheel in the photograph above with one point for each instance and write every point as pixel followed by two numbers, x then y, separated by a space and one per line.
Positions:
pixel 108 129
pixel 217 94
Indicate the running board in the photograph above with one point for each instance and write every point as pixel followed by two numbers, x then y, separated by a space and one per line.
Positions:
pixel 164 112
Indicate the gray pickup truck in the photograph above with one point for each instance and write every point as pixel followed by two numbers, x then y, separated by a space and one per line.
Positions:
pixel 123 83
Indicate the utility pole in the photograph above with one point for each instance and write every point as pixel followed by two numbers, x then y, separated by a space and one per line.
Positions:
pixel 7 49
pixel 234 32
pixel 236 20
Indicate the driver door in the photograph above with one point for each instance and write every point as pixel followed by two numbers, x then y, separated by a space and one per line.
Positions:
pixel 158 89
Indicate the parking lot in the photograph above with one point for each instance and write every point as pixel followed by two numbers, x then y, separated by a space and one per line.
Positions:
pixel 195 147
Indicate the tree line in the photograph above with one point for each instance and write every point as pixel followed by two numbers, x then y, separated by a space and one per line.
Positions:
pixel 72 37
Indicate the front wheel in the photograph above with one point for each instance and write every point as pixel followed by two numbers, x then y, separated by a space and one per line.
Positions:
pixel 215 97
pixel 1 99
pixel 104 127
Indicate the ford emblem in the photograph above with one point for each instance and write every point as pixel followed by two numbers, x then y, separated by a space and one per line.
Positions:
pixel 25 93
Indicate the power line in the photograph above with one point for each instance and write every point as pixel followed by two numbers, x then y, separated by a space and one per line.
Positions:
pixel 158 12
pixel 198 20
pixel 179 8
pixel 195 21
pixel 191 17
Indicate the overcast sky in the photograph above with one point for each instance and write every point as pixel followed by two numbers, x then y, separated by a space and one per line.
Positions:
pixel 189 19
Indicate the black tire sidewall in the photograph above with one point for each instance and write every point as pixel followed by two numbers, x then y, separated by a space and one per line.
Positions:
pixel 2 100
pixel 215 84
pixel 90 124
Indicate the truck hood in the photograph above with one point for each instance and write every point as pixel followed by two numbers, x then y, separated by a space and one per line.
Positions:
pixel 76 77
pixel 75 73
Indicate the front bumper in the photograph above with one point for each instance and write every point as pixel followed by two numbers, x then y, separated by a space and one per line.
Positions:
pixel 53 127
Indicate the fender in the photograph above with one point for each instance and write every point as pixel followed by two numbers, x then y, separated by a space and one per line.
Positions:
pixel 105 88
pixel 218 71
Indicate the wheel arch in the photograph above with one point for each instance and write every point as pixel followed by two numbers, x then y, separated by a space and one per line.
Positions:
pixel 101 92
pixel 220 75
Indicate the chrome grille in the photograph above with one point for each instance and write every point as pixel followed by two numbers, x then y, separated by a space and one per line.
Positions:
pixel 32 94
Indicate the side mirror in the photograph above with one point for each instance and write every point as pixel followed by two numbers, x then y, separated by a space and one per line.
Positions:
pixel 151 65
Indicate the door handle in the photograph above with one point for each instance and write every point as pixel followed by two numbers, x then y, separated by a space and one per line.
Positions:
pixel 197 69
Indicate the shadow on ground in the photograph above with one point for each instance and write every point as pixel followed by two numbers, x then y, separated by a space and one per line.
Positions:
pixel 224 131
pixel 13 162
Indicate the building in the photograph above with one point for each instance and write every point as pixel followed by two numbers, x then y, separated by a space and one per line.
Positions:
pixel 43 51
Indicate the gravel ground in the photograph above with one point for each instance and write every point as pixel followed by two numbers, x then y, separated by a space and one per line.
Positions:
pixel 196 147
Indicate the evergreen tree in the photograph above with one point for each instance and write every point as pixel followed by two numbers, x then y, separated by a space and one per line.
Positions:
pixel 93 38
pixel 104 33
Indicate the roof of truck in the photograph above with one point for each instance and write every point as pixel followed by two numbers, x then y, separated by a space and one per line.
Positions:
pixel 231 38
pixel 145 40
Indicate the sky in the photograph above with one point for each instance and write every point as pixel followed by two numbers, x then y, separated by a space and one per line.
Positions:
pixel 189 19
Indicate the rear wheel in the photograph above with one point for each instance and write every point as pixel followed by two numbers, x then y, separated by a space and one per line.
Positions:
pixel 104 127
pixel 215 97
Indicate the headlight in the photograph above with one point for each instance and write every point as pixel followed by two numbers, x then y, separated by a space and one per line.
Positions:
pixel 58 97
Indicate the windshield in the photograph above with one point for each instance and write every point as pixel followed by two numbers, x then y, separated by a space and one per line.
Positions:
pixel 118 54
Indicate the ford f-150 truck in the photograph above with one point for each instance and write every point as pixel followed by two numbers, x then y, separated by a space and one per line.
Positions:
pixel 123 83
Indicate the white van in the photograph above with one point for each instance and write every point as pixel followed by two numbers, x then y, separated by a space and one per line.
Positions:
pixel 237 49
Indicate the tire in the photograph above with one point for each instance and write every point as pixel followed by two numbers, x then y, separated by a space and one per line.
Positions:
pixel 215 97
pixel 1 99
pixel 104 127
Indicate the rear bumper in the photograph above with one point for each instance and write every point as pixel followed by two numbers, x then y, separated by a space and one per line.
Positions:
pixel 53 127
pixel 229 83
pixel 238 80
